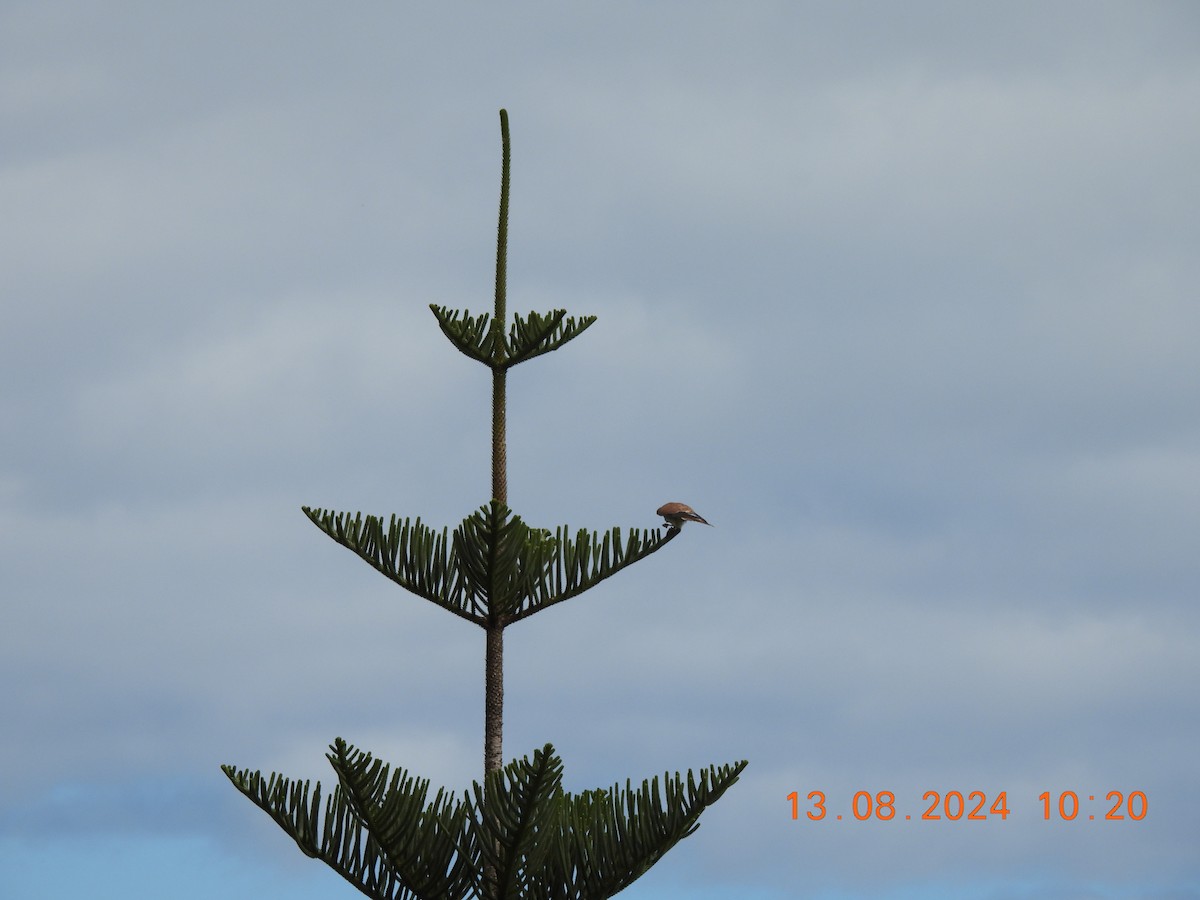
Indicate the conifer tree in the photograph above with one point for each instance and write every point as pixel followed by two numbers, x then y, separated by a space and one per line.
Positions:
pixel 517 834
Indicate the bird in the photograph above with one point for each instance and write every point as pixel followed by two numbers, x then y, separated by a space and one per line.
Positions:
pixel 675 514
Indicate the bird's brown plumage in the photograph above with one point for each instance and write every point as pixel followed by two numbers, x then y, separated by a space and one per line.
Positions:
pixel 676 514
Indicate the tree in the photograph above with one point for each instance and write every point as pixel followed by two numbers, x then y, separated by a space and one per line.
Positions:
pixel 518 834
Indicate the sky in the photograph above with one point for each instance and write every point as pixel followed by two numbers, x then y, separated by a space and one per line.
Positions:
pixel 900 297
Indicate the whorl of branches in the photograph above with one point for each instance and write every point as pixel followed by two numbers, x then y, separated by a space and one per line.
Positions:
pixel 380 831
pixel 528 337
pixel 492 564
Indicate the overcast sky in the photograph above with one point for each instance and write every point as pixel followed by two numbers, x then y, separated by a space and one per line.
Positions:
pixel 901 297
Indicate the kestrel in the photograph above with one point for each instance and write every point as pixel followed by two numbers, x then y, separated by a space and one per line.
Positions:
pixel 675 514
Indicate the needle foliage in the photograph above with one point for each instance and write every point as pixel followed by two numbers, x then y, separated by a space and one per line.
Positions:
pixel 518 836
